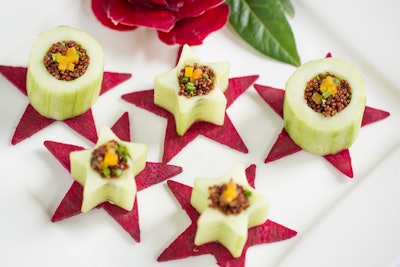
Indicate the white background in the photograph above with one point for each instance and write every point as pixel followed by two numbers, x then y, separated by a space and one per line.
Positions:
pixel 340 221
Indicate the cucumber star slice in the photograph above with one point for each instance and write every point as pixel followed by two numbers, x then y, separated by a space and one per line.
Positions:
pixel 186 111
pixel 60 99
pixel 120 191
pixel 230 230
pixel 311 130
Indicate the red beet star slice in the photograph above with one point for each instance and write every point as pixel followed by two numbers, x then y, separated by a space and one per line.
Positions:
pixel 183 246
pixel 284 145
pixel 225 134
pixel 32 122
pixel 129 220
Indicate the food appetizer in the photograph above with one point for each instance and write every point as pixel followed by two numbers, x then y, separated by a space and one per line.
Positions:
pixel 324 105
pixel 107 172
pixel 65 72
pixel 229 206
pixel 193 91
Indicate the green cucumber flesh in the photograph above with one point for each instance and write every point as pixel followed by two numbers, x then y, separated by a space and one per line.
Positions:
pixel 186 111
pixel 311 130
pixel 230 230
pixel 120 191
pixel 59 99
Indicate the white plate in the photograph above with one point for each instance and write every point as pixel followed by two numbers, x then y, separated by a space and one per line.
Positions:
pixel 340 221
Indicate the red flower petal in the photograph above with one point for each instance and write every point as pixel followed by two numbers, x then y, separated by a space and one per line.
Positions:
pixel 183 246
pixel 101 9
pixel 129 220
pixel 31 121
pixel 193 8
pixel 159 3
pixel 122 12
pixel 173 143
pixel 194 30
pixel 285 146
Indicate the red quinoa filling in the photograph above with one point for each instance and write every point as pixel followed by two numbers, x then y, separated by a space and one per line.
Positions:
pixel 196 80
pixel 66 60
pixel 229 198
pixel 327 94
pixel 110 159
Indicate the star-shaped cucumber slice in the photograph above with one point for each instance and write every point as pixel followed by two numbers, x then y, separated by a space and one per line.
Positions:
pixel 188 110
pixel 184 246
pixel 97 189
pixel 231 230
pixel 71 204
pixel 173 143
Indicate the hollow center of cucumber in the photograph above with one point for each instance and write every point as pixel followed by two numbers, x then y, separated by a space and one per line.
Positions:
pixel 196 80
pixel 327 94
pixel 110 159
pixel 66 60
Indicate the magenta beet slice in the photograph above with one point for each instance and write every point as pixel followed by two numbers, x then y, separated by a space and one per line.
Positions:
pixel 32 122
pixel 129 220
pixel 284 145
pixel 206 23
pixel 16 75
pixel 273 96
pixel 372 115
pixel 225 134
pixel 342 161
pixel 183 246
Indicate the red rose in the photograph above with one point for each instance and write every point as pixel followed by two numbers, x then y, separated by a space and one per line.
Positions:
pixel 176 21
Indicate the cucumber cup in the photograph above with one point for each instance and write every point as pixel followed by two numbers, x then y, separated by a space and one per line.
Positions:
pixel 99 188
pixel 62 99
pixel 312 130
pixel 231 230
pixel 187 110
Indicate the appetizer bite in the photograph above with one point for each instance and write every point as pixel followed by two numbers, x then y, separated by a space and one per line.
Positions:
pixel 229 206
pixel 65 72
pixel 324 105
pixel 107 172
pixel 193 91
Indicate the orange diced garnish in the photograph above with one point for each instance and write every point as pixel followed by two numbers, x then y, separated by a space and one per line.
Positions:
pixel 189 72
pixel 230 193
pixel 110 158
pixel 72 55
pixel 329 84
pixel 316 98
pixel 197 73
pixel 67 62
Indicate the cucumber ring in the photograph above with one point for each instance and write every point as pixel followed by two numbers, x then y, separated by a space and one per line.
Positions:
pixel 59 99
pixel 311 130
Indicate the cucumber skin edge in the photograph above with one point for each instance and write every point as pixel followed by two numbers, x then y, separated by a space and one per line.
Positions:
pixel 73 104
pixel 317 141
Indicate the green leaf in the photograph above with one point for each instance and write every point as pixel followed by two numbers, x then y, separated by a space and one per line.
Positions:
pixel 263 25
pixel 287 7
